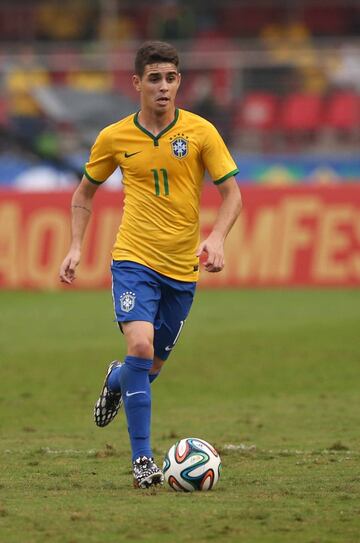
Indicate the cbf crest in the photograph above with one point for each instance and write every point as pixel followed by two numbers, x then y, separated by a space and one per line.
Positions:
pixel 180 147
pixel 127 301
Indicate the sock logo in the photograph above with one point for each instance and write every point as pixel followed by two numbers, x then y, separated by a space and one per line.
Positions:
pixel 127 301
pixel 128 394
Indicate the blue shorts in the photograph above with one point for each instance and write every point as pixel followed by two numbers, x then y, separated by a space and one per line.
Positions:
pixel 142 294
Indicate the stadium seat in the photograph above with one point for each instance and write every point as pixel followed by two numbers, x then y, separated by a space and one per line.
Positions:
pixel 343 111
pixel 301 113
pixel 257 111
pixel 255 120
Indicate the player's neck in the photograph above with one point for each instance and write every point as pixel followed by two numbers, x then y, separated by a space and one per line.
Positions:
pixel 155 122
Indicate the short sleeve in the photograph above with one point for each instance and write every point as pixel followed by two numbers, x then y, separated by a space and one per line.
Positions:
pixel 101 163
pixel 216 157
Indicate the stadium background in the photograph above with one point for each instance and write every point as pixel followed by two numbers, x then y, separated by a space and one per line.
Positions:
pixel 281 81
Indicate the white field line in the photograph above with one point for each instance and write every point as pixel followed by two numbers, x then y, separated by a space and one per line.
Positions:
pixel 240 448
pixel 48 450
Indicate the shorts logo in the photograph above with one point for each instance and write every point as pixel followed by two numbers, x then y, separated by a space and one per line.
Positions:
pixel 170 347
pixel 127 301
pixel 179 147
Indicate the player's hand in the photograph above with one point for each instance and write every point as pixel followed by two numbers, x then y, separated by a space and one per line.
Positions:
pixel 68 267
pixel 213 249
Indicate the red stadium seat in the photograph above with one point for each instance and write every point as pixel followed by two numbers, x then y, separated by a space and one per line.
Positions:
pixel 343 111
pixel 257 111
pixel 301 113
pixel 255 121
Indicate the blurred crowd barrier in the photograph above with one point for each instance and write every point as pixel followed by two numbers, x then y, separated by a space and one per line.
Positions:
pixel 285 236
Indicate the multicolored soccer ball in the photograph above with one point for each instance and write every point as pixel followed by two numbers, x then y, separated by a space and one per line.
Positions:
pixel 192 464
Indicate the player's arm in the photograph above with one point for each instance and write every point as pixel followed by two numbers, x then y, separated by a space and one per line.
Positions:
pixel 81 207
pixel 228 212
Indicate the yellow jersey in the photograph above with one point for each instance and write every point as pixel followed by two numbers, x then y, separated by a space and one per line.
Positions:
pixel 162 179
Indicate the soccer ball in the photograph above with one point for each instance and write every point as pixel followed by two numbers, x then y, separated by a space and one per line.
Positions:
pixel 192 464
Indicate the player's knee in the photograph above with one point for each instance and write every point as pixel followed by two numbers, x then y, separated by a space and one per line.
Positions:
pixel 142 348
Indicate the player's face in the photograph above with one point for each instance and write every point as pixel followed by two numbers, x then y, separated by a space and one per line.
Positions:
pixel 158 86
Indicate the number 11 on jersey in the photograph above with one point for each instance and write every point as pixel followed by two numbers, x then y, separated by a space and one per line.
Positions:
pixel 164 180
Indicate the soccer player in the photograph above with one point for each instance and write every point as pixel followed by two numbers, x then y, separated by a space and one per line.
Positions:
pixel 163 153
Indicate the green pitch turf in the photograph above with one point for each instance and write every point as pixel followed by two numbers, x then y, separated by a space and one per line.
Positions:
pixel 270 377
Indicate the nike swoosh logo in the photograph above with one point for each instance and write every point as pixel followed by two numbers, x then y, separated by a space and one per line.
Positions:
pixel 170 347
pixel 128 155
pixel 128 394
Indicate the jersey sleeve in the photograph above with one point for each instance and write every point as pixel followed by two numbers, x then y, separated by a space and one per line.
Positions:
pixel 101 162
pixel 216 157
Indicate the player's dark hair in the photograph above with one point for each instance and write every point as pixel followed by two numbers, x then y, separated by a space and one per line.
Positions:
pixel 152 52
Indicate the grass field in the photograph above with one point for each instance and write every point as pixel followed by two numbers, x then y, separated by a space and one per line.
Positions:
pixel 270 377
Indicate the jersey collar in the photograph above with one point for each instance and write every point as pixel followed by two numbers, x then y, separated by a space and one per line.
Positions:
pixel 166 129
